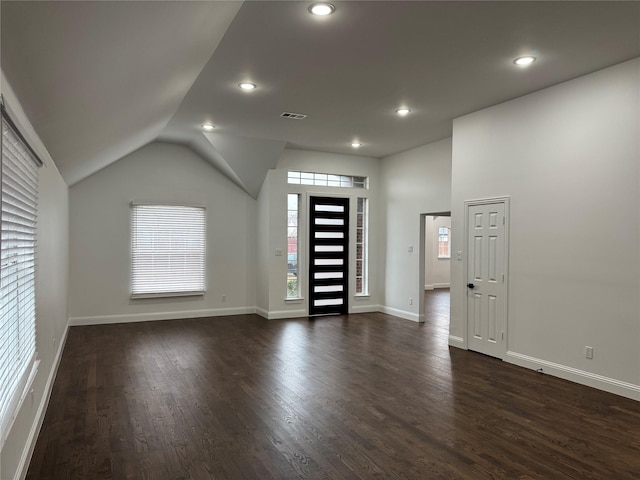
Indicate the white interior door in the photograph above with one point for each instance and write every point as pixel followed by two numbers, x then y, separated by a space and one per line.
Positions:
pixel 486 287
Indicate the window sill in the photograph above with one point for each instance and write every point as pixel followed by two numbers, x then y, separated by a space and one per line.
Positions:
pixel 136 296
pixel 24 386
pixel 362 295
pixel 444 258
pixel 294 300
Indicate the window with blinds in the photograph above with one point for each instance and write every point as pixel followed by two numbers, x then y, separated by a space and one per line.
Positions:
pixel 17 272
pixel 168 244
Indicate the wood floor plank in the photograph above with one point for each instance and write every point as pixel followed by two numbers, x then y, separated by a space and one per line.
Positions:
pixel 365 396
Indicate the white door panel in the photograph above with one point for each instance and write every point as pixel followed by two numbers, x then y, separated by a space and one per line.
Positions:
pixel 486 290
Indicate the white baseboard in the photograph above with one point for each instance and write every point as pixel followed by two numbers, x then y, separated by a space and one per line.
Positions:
pixel 414 317
pixel 30 445
pixel 437 285
pixel 283 314
pixel 278 315
pixel 146 317
pixel 582 377
pixel 365 308
pixel 458 342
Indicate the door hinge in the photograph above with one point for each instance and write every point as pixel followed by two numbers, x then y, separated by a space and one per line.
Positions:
pixel 503 220
pixel 503 278
pixel 502 335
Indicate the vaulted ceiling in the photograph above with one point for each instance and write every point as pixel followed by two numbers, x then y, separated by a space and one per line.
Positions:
pixel 99 80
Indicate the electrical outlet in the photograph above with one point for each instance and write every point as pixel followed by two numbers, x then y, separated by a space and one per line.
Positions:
pixel 410 301
pixel 588 352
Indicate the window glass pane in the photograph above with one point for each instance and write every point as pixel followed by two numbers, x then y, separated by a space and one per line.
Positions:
pixel 326 180
pixel 329 248
pixel 328 261
pixel 167 250
pixel 321 179
pixel 328 301
pixel 329 235
pixel 294 177
pixel 17 272
pixel 329 221
pixel 328 288
pixel 329 208
pixel 360 182
pixel 327 275
pixel 444 242
pixel 362 286
pixel 292 219
pixel 346 182
pixel 293 284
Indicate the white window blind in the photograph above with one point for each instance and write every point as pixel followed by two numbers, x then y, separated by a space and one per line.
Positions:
pixel 17 272
pixel 168 244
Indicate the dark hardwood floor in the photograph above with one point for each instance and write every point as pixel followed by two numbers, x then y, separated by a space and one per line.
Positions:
pixel 345 397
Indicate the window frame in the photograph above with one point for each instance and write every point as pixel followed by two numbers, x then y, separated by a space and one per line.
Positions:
pixel 439 240
pixel 363 255
pixel 290 294
pixel 333 180
pixel 198 278
pixel 17 277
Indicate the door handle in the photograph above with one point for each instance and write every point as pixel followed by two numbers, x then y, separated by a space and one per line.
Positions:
pixel 470 285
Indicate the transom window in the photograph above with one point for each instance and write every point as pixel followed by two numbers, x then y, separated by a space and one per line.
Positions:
pixel 326 180
pixel 167 250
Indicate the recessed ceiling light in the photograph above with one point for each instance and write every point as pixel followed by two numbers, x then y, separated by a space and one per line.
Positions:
pixel 247 86
pixel 356 144
pixel 208 127
pixel 402 111
pixel 524 61
pixel 322 8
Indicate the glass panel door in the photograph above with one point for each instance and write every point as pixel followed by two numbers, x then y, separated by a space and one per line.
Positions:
pixel 328 255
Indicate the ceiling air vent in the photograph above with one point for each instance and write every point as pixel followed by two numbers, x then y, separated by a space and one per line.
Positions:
pixel 293 116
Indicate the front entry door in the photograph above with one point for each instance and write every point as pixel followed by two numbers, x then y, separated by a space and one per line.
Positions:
pixel 486 288
pixel 328 255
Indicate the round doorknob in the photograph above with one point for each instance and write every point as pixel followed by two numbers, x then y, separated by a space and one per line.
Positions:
pixel 470 285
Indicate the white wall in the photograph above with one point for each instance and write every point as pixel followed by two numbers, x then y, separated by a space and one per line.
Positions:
pixel 412 183
pixel 568 156
pixel 263 247
pixel 100 237
pixel 437 271
pixel 51 298
pixel 276 189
